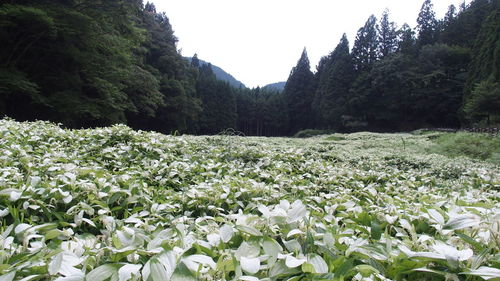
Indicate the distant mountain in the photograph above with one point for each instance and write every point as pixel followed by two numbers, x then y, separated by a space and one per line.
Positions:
pixel 222 75
pixel 279 86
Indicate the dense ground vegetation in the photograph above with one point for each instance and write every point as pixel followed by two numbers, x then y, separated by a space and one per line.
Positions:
pixel 93 63
pixel 478 146
pixel 118 204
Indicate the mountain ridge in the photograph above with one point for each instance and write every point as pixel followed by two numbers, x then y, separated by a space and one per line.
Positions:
pixel 221 74
pixel 278 86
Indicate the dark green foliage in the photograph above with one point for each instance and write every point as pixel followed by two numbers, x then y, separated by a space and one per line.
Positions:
pixel 299 94
pixel 96 63
pixel 93 63
pixel 335 76
pixel 441 78
pixel 76 57
pixel 365 47
pixel 387 36
pixel 482 93
pixel 407 41
pixel 427 24
pixel 309 133
pixel 195 62
pixel 483 104
pixel 261 112
pixel 463 29
pixel 220 73
pixel 392 80
pixel 278 86
pixel 219 103
pixel 177 106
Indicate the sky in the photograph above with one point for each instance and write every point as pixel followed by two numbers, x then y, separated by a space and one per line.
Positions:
pixel 259 41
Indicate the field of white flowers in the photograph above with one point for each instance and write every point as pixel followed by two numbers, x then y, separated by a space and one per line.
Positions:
pixel 116 204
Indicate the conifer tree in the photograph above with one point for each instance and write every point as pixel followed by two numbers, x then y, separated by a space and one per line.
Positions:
pixel 195 62
pixel 387 36
pixel 448 26
pixel 427 24
pixel 334 81
pixel 450 16
pixel 298 94
pixel 407 42
pixel 482 94
pixel 365 47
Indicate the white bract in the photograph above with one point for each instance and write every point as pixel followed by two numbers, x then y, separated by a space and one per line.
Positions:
pixel 117 204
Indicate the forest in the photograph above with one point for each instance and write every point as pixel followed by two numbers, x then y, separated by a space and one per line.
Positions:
pixel 85 64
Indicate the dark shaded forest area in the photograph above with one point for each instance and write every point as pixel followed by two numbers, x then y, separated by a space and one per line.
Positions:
pixel 86 63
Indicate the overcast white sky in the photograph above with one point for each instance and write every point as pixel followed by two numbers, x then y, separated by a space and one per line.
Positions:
pixel 259 41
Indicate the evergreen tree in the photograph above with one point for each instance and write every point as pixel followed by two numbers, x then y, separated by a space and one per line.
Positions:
pixel 406 42
pixel 389 106
pixel 482 97
pixel 463 29
pixel 448 26
pixel 74 62
pixel 365 54
pixel 95 63
pixel 450 16
pixel 365 47
pixel 218 102
pixel 427 24
pixel 441 72
pixel 298 94
pixel 387 36
pixel 195 62
pixel 335 79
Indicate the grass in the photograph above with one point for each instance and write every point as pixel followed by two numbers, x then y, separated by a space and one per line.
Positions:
pixel 473 145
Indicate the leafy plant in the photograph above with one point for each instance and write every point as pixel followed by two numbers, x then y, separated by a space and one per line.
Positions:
pixel 116 204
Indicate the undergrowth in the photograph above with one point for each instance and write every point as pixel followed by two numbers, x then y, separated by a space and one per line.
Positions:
pixel 472 145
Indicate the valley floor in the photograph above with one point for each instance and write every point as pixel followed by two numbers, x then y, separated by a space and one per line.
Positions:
pixel 117 204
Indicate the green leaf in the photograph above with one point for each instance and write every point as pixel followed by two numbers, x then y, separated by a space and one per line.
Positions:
pixel 102 272
pixel 318 263
pixel 271 247
pixel 182 273
pixel 366 270
pixel 249 230
pixel 477 245
pixel 376 230
pixel 280 270
pixel 158 271
pixel 344 268
pixel 54 233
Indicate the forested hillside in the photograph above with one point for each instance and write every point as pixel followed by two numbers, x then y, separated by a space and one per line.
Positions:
pixel 220 73
pixel 443 73
pixel 278 86
pixel 96 63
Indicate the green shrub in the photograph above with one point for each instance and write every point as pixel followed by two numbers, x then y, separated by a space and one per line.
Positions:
pixel 472 145
pixel 310 133
pixel 335 138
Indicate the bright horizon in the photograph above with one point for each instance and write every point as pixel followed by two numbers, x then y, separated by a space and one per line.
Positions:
pixel 258 42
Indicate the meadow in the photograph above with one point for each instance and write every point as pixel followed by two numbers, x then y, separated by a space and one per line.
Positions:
pixel 118 204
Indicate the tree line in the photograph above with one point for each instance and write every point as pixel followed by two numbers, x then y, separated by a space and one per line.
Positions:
pixel 88 63
pixel 443 73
